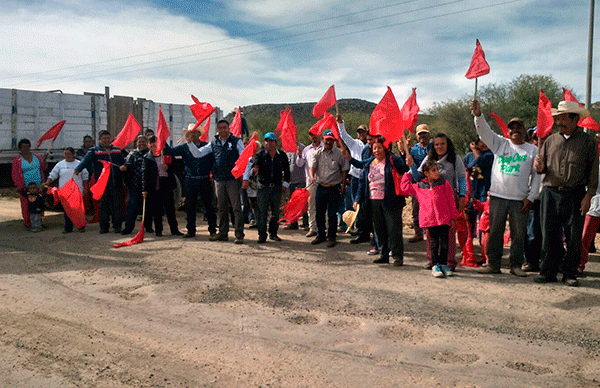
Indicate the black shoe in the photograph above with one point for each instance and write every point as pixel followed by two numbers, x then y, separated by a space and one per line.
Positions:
pixel 117 230
pixel 398 261
pixel 318 240
pixel 126 231
pixel 331 243
pixel 360 239
pixel 382 260
pixel 66 231
pixel 103 231
pixel 149 230
pixel 176 232
pixel 545 279
pixel 428 266
pixel 262 239
pixel 189 235
pixel 158 234
pixel 274 237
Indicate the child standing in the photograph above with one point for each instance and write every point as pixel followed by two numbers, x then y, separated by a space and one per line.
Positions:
pixel 35 204
pixel 437 212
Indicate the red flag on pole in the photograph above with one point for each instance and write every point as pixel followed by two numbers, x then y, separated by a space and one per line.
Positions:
pixel 587 122
pixel 162 132
pixel 327 101
pixel 410 112
pixel 545 121
pixel 72 202
pixel 501 124
pixel 200 110
pixel 204 136
pixel 240 164
pixel 129 132
pixel 327 122
pixel 52 133
pixel 289 134
pixel 98 188
pixel 478 66
pixel 386 120
pixel 236 124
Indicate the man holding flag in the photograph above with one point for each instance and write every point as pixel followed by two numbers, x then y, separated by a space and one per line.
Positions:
pixel 569 158
pixel 225 149
pixel 110 200
pixel 328 171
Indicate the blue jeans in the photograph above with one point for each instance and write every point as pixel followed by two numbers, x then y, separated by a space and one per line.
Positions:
pixel 327 201
pixel 533 243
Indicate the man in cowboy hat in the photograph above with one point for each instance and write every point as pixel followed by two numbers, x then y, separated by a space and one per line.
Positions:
pixel 569 158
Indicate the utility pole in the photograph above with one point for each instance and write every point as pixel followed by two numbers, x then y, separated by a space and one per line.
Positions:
pixel 588 97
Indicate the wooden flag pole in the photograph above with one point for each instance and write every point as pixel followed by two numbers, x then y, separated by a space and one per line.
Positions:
pixel 337 110
pixel 475 96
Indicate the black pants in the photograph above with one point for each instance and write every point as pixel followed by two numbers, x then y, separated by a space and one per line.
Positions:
pixel 204 187
pixel 110 206
pixel 269 199
pixel 560 212
pixel 438 243
pixel 162 202
pixel 388 228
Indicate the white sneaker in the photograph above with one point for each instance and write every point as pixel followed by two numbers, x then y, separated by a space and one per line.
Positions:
pixel 447 270
pixel 437 272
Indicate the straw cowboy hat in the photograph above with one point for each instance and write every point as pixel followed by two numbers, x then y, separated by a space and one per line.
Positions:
pixel 349 218
pixel 570 107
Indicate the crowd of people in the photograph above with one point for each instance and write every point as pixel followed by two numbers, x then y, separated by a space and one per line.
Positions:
pixel 546 188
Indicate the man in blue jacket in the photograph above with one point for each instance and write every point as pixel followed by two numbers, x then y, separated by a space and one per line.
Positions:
pixel 225 149
pixel 197 181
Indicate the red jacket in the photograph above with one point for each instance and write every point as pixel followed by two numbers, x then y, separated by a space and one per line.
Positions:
pixel 17 172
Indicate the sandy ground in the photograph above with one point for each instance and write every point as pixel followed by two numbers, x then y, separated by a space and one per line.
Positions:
pixel 75 312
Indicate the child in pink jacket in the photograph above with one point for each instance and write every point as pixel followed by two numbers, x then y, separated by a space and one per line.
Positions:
pixel 437 212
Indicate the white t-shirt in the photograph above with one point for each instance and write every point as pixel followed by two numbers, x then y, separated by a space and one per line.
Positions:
pixel 64 171
pixel 513 175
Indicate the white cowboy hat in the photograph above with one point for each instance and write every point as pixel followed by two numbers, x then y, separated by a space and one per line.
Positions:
pixel 570 107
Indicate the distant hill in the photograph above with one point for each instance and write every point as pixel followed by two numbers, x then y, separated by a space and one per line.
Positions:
pixel 263 118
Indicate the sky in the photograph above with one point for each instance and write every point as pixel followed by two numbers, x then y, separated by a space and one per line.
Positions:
pixel 241 52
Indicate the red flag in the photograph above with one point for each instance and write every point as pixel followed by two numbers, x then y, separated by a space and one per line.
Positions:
pixel 236 124
pixel 128 134
pixel 327 122
pixel 410 112
pixel 52 133
pixel 296 206
pixel 138 238
pixel 501 124
pixel 289 134
pixel 162 132
pixel 53 191
pixel 72 201
pixel 478 66
pixel 204 136
pixel 98 188
pixel 545 121
pixel 240 164
pixel 327 101
pixel 282 118
pixel 200 110
pixel 386 120
pixel 587 122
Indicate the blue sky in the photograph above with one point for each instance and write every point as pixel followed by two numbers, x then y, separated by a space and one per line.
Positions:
pixel 235 52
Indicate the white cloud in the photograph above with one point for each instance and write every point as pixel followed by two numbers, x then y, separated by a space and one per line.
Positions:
pixel 432 54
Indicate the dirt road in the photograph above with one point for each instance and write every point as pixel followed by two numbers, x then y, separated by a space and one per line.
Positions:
pixel 75 312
